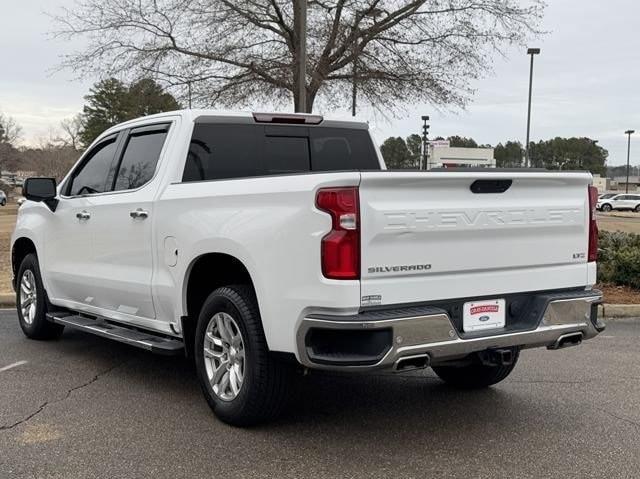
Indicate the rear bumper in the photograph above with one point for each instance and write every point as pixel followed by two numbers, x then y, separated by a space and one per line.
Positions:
pixel 379 339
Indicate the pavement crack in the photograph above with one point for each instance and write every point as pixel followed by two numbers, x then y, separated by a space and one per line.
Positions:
pixel 620 418
pixel 27 418
pixel 66 396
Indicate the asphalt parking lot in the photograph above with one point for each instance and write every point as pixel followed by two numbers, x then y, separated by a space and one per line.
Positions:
pixel 83 407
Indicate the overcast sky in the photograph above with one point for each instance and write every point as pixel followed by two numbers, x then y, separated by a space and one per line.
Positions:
pixel 586 80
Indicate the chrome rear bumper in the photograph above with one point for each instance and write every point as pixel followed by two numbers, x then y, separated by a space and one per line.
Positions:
pixel 430 331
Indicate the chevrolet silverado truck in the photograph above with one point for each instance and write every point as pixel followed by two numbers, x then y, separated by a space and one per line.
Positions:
pixel 262 245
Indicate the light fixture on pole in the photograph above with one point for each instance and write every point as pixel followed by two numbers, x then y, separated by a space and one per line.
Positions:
pixel 532 52
pixel 628 133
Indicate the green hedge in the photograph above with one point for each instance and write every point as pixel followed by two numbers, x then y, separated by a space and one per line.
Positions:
pixel 619 259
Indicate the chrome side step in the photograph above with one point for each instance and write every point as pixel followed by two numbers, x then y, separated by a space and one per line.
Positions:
pixel 133 337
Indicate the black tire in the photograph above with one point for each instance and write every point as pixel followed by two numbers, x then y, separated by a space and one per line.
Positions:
pixel 3 202
pixel 606 207
pixel 37 327
pixel 637 209
pixel 266 379
pixel 475 376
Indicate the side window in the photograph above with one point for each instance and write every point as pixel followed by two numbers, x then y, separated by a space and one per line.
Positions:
pixel 92 175
pixel 140 157
pixel 224 151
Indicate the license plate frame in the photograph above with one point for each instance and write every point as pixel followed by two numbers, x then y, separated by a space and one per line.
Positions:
pixel 484 315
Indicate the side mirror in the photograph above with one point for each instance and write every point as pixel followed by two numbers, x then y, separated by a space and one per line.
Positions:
pixel 41 189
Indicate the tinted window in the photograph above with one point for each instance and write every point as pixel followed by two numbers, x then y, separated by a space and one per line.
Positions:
pixel 342 149
pixel 236 151
pixel 223 151
pixel 140 158
pixel 284 154
pixel 92 176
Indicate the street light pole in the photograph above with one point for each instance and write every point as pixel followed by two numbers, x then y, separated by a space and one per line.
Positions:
pixel 628 133
pixel 425 133
pixel 532 52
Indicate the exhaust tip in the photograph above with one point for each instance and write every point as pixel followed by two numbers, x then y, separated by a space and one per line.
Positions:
pixel 567 340
pixel 408 363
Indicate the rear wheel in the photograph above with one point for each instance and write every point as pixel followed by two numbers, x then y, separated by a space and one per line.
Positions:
pixel 606 207
pixel 476 375
pixel 31 302
pixel 242 381
pixel 637 209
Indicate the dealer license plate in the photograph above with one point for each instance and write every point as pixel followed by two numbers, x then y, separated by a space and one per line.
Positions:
pixel 478 315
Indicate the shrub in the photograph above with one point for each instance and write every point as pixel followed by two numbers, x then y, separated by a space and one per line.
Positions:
pixel 619 259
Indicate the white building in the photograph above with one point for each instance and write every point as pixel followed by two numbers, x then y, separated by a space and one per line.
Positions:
pixel 441 155
pixel 603 184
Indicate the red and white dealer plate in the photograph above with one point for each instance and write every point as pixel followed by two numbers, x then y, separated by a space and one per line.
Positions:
pixel 478 315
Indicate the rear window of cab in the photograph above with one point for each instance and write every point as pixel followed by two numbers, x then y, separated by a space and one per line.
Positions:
pixel 219 151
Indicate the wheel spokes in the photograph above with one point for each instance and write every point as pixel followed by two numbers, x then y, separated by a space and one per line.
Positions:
pixel 224 355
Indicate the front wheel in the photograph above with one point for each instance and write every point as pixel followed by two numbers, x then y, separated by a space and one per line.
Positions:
pixel 476 375
pixel 637 209
pixel 606 208
pixel 241 380
pixel 31 302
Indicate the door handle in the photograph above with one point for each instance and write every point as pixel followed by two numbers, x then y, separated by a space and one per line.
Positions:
pixel 83 215
pixel 139 213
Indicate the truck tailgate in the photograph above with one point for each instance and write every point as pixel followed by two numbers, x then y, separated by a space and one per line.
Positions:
pixel 428 236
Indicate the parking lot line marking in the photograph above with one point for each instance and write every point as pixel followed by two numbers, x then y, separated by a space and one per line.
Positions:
pixel 14 365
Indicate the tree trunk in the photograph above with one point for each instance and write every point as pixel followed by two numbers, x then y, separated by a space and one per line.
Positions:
pixel 300 60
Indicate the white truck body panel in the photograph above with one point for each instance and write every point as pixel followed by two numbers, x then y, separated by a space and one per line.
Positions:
pixel 532 237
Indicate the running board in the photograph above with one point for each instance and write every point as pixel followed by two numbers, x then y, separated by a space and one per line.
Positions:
pixel 133 337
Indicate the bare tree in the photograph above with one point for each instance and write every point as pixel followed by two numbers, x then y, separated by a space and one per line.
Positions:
pixel 48 157
pixel 70 135
pixel 240 52
pixel 10 131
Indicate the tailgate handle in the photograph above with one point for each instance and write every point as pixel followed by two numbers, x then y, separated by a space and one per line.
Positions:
pixel 490 186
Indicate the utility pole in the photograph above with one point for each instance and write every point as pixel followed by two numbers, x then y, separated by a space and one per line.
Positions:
pixel 300 28
pixel 189 87
pixel 532 52
pixel 425 152
pixel 628 133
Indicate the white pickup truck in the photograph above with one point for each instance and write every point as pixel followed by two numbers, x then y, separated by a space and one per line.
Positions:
pixel 262 244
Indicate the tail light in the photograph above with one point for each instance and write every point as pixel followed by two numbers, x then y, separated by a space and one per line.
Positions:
pixel 340 248
pixel 593 226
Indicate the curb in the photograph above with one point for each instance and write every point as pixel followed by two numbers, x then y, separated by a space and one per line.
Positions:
pixel 612 311
pixel 8 300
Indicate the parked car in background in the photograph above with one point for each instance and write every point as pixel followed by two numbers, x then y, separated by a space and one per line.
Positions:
pixel 620 202
pixel 3 198
pixel 607 196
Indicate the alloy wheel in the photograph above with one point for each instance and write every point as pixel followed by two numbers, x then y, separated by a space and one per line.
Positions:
pixel 28 296
pixel 224 356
